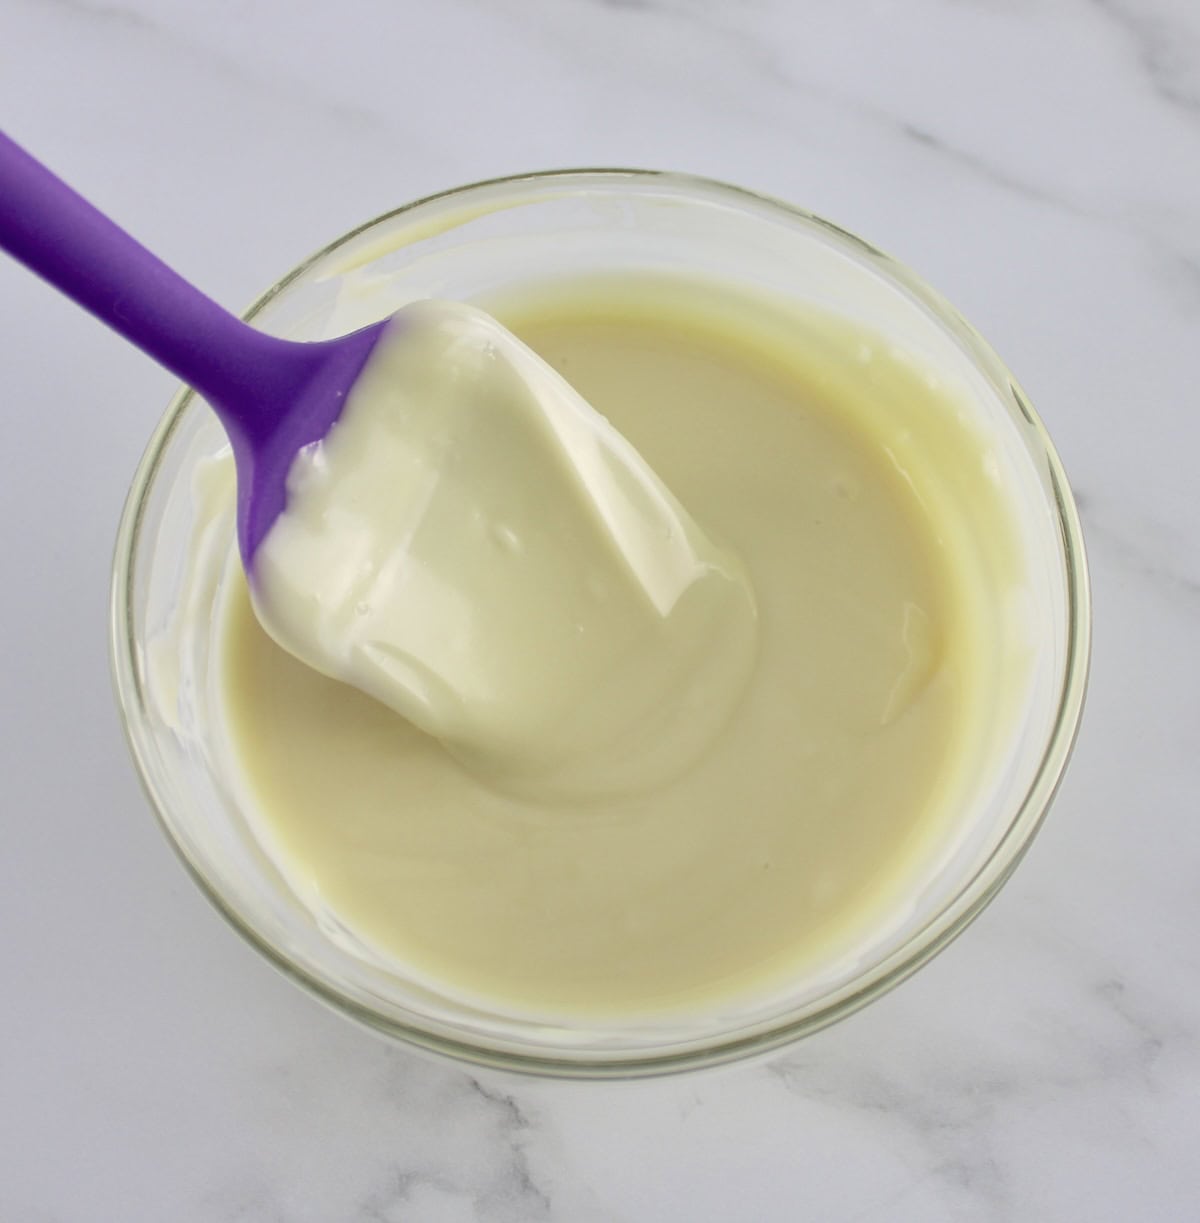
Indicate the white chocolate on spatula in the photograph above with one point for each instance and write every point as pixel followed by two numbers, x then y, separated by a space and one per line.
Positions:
pixel 475 546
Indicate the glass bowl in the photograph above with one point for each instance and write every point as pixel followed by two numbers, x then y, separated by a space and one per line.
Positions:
pixel 467 244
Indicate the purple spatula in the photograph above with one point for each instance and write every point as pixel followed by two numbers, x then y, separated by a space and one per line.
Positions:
pixel 272 396
pixel 572 658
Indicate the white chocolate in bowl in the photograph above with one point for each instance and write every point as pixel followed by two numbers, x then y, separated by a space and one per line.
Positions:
pixel 476 547
pixel 834 789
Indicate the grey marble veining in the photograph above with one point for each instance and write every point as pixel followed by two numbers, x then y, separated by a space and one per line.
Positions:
pixel 1163 38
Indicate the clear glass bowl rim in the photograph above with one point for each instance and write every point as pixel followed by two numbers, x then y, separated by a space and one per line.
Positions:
pixel 936 934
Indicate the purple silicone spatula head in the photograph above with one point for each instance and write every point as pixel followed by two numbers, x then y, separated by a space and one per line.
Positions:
pixel 272 396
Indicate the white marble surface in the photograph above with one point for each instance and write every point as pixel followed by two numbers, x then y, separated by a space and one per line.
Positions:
pixel 1037 160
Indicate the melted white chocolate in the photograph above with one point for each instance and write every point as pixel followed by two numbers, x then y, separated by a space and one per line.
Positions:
pixel 476 547
pixel 828 463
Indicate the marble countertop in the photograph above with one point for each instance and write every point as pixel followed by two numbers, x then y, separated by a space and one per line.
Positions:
pixel 1039 162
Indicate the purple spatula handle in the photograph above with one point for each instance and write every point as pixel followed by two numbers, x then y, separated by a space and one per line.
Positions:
pixel 62 238
pixel 273 396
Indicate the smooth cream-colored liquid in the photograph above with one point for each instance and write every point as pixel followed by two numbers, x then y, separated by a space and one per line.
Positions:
pixel 475 546
pixel 800 828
